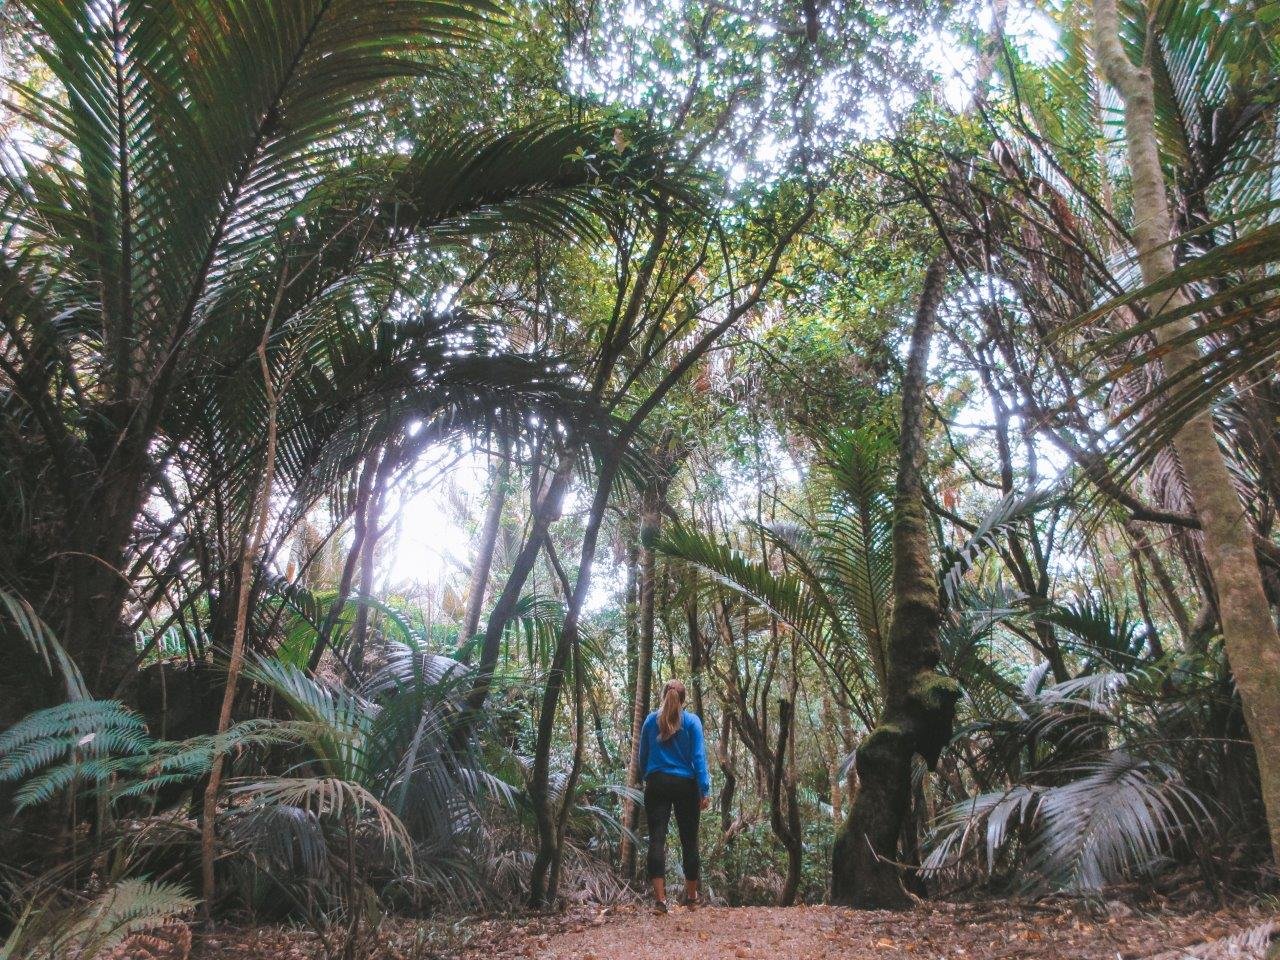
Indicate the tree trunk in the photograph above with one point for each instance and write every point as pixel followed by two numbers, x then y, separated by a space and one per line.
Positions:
pixel 633 612
pixel 260 513
pixel 368 563
pixel 695 653
pixel 488 541
pixel 784 811
pixel 365 487
pixel 650 519
pixel 1248 630
pixel 575 771
pixel 546 508
pixel 94 632
pixel 919 702
pixel 1164 583
pixel 550 828
pixel 724 758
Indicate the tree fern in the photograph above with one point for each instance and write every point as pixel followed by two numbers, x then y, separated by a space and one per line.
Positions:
pixel 86 740
pixel 122 910
pixel 102 743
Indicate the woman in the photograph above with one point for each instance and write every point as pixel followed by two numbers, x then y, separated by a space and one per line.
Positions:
pixel 673 762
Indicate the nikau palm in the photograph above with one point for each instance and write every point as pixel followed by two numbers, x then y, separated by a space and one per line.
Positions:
pixel 1247 623
pixel 837 591
pixel 191 186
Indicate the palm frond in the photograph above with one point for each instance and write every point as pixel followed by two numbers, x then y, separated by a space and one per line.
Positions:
pixel 1010 511
pixel 337 719
pixel 1101 630
pixel 42 640
pixel 327 798
pixel 1117 815
pixel 782 595
pixel 1112 818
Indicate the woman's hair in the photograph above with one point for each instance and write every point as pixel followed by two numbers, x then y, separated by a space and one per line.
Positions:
pixel 669 715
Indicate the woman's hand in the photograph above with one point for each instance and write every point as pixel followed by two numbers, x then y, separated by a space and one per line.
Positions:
pixel 704 803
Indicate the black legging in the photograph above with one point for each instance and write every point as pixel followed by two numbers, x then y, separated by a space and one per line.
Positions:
pixel 662 791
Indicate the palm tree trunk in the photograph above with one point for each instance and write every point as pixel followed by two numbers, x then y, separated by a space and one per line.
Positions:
pixel 1249 632
pixel 919 702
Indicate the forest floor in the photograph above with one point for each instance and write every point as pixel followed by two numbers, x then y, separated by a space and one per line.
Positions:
pixel 935 930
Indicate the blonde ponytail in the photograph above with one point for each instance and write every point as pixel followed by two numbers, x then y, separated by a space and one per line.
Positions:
pixel 670 718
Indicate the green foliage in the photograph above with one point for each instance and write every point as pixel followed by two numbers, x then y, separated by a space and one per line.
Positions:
pixel 1106 635
pixel 94 928
pixel 435 248
pixel 1007 514
pixel 1087 817
pixel 84 740
pixel 1110 773
pixel 103 745
pixel 37 634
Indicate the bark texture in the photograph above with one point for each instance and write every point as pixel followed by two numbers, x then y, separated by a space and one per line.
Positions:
pixel 488 542
pixel 1248 630
pixel 642 695
pixel 919 702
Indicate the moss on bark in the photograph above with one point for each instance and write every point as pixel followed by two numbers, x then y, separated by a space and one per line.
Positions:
pixel 919 702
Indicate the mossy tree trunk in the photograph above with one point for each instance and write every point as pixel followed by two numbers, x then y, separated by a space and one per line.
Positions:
pixel 919 701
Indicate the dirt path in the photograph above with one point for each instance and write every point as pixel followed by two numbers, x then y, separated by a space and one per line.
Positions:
pixel 938 931
pixel 826 933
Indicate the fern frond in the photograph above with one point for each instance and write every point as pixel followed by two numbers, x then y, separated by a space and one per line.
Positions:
pixel 125 908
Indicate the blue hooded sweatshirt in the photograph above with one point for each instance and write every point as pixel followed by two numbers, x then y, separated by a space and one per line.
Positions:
pixel 684 755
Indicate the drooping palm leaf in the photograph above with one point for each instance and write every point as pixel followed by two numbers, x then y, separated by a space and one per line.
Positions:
pixel 1010 511
pixel 41 639
pixel 782 595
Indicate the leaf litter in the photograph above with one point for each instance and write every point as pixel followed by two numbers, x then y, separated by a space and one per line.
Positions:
pixel 932 931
